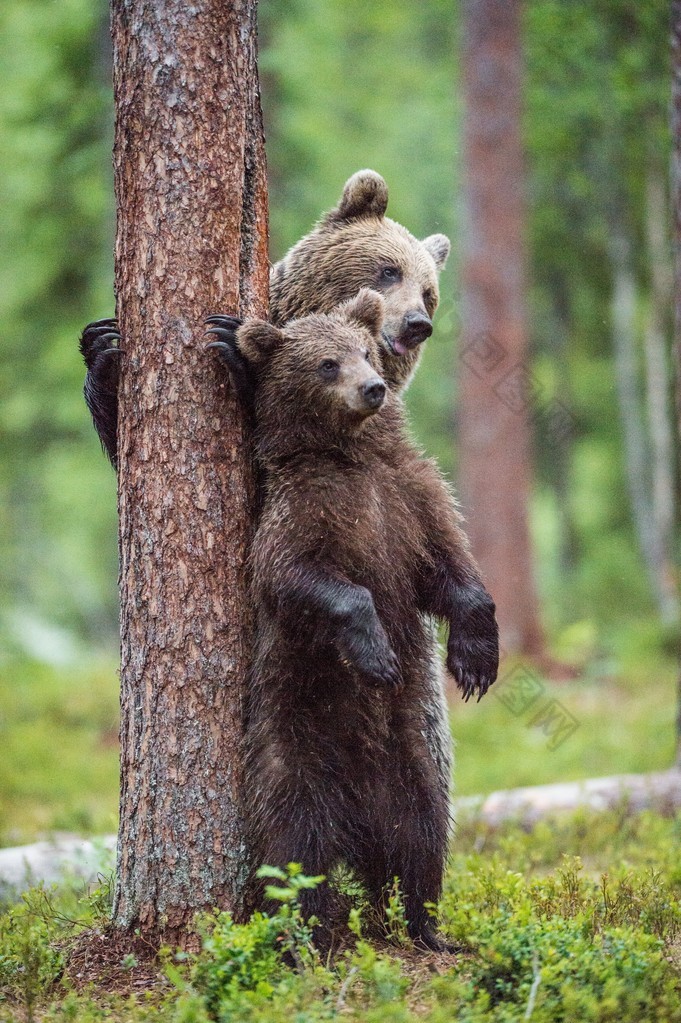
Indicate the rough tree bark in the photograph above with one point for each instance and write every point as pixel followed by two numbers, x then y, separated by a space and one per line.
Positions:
pixel 191 239
pixel 495 387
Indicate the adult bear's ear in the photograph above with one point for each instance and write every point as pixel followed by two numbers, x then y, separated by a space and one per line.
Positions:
pixel 365 195
pixel 257 339
pixel 367 309
pixel 438 245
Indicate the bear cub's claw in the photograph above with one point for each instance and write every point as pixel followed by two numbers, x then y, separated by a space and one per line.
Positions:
pixel 99 340
pixel 224 328
pixel 473 647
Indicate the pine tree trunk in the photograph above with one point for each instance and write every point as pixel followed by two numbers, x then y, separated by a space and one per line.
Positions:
pixel 495 387
pixel 191 239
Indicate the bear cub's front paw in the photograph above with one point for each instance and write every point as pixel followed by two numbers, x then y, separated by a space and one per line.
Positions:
pixel 473 647
pixel 370 654
pixel 224 328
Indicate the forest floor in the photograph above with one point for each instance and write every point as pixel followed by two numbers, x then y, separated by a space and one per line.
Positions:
pixel 576 919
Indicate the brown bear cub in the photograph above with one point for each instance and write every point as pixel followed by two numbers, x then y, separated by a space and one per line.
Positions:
pixel 358 544
pixel 353 246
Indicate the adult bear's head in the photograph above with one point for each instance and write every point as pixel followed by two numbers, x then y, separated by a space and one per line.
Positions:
pixel 356 246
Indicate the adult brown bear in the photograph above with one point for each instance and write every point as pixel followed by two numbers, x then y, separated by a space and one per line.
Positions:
pixel 354 246
pixel 359 543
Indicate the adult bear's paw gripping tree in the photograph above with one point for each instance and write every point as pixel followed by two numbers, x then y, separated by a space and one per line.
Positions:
pixel 191 237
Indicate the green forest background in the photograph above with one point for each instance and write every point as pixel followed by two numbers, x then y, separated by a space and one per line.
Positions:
pixel 345 85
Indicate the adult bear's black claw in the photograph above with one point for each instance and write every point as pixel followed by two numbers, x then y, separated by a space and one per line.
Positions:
pixel 109 321
pixel 95 342
pixel 228 322
pixel 99 340
pixel 222 333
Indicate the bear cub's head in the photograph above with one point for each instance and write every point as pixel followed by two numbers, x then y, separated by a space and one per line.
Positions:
pixel 318 377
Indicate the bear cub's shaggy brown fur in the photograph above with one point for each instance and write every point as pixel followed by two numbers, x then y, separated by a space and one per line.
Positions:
pixel 359 542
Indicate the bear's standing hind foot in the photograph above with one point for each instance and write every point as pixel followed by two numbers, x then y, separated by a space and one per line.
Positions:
pixel 426 939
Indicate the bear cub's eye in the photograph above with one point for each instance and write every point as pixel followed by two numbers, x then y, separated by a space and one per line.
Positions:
pixel 328 369
pixel 389 275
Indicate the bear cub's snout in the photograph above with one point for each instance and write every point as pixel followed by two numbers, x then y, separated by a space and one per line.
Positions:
pixel 373 394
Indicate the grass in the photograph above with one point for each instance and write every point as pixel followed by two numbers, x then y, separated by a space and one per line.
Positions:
pixel 549 930
pixel 58 735
pixel 578 919
pixel 584 728
pixel 59 741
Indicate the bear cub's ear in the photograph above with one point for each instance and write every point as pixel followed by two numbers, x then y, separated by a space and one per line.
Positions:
pixel 257 339
pixel 438 245
pixel 365 195
pixel 366 309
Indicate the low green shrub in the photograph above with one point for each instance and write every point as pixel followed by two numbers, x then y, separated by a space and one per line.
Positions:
pixel 565 947
pixel 547 937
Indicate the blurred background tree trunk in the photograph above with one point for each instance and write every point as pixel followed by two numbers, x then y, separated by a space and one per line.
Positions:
pixel 635 440
pixel 676 212
pixel 658 392
pixel 495 383
pixel 191 197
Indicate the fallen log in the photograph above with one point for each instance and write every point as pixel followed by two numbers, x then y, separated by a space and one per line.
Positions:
pixel 81 859
pixel 660 791
pixel 63 856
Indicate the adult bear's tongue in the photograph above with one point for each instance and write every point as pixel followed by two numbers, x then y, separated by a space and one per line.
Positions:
pixel 399 347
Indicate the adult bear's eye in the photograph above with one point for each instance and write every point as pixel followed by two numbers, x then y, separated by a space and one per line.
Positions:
pixel 389 275
pixel 328 369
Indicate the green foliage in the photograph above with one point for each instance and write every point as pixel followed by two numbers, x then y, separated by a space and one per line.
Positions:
pixel 242 967
pixel 58 555
pixel 615 727
pixel 34 937
pixel 338 94
pixel 29 963
pixel 573 948
pixel 59 740
pixel 244 963
pixel 546 936
pixel 598 82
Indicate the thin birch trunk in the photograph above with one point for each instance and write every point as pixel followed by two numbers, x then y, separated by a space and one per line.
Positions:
pixel 636 454
pixel 658 392
pixel 675 117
